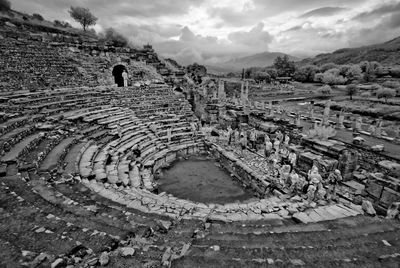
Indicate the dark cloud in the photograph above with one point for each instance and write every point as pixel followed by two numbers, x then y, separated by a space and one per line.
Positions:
pixel 294 28
pixel 393 22
pixel 323 12
pixel 379 11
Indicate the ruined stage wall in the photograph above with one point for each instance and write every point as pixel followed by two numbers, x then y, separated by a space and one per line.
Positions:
pixel 35 61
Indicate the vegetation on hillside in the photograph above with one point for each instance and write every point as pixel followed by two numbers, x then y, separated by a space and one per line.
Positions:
pixel 5 5
pixel 385 53
pixel 113 37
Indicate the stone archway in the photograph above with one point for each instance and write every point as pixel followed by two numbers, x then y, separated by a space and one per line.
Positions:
pixel 117 72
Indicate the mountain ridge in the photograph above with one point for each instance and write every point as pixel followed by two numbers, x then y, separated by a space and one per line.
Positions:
pixel 386 53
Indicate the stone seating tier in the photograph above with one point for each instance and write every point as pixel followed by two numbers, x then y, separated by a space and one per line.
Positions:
pixel 95 214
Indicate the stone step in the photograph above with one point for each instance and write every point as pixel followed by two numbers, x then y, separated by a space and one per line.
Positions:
pixel 365 248
pixel 269 261
pixel 19 148
pixel 71 157
pixel 54 157
pixel 270 239
pixel 61 207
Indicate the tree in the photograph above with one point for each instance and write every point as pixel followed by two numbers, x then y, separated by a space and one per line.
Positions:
pixel 247 73
pixel 284 66
pixel 332 77
pixel 306 73
pixel 5 5
pixel 318 77
pixel 351 90
pixel 83 16
pixel 272 73
pixel 386 93
pixel 344 69
pixel 364 65
pixel 262 76
pixel 354 73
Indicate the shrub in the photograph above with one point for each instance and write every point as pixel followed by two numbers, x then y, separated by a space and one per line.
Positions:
pixel 395 72
pixel 381 71
pixel 391 84
pixel 37 17
pixel 5 5
pixel 332 77
pixel 326 90
pixel 386 93
pixel 366 94
pixel 262 76
pixel 62 24
pixel 115 38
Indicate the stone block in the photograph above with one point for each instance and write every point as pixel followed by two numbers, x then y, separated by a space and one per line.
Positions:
pixel 389 196
pixel 374 189
pixel 389 165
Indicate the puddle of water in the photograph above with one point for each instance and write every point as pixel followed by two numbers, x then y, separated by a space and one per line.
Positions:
pixel 202 180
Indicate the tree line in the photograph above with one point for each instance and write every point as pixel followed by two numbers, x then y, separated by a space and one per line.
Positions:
pixel 329 73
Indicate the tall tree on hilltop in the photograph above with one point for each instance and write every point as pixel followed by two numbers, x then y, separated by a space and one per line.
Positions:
pixel 284 66
pixel 83 16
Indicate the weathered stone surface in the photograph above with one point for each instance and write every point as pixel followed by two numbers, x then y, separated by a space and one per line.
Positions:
pixel 389 196
pixel 368 208
pixel 374 189
pixel 127 251
pixel 104 258
pixel 393 211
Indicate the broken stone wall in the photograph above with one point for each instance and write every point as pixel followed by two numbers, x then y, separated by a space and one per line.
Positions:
pixel 240 171
pixel 42 61
pixel 382 191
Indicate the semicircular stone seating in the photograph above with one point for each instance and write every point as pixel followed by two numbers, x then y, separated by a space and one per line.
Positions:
pixel 71 192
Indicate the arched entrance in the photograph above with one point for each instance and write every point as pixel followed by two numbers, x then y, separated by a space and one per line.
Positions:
pixel 117 73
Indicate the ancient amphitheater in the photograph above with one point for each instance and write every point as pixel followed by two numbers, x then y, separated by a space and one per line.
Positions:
pixel 69 190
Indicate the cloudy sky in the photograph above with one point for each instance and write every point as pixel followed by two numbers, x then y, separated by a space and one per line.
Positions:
pixel 210 31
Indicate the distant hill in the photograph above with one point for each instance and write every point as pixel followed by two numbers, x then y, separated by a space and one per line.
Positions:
pixel 257 60
pixel 387 53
